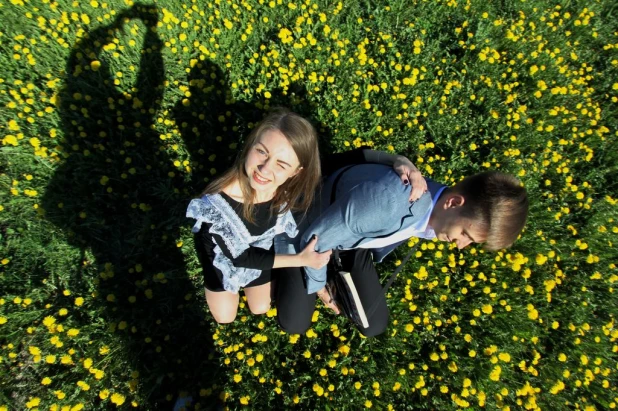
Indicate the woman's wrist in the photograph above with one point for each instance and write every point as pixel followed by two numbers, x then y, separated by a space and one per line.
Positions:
pixel 288 260
pixel 299 260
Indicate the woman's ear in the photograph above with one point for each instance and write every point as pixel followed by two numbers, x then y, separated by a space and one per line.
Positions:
pixel 296 172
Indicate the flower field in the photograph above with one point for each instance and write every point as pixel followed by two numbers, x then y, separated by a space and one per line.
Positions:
pixel 113 115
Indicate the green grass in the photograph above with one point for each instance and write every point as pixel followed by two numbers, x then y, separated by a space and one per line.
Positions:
pixel 114 115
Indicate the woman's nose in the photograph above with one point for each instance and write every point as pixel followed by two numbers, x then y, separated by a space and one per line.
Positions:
pixel 266 166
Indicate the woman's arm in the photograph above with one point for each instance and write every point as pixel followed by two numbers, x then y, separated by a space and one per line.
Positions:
pixel 306 258
pixel 261 259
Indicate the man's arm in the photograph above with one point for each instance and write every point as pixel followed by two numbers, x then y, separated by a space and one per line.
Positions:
pixel 352 217
pixel 407 171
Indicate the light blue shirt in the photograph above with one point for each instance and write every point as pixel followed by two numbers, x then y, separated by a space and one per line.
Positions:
pixel 420 229
pixel 371 202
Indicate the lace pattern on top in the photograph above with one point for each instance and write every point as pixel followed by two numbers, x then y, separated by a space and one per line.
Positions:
pixel 214 210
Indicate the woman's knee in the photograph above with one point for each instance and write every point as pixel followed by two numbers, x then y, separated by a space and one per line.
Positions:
pixel 223 310
pixel 259 307
pixel 223 316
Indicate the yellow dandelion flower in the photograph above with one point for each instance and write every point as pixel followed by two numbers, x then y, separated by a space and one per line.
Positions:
pixel 495 373
pixel 117 399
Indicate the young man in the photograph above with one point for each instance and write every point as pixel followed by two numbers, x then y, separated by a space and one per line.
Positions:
pixel 365 213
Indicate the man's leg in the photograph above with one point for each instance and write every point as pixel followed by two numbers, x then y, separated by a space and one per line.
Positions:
pixel 294 306
pixel 365 277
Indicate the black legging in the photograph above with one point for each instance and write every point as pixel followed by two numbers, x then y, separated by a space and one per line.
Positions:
pixel 295 307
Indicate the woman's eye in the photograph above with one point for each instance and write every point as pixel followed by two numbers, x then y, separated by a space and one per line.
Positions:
pixel 259 150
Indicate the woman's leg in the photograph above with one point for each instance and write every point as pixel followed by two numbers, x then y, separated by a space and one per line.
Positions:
pixel 294 306
pixel 258 298
pixel 223 305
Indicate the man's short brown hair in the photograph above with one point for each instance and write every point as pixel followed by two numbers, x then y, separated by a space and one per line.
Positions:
pixel 498 203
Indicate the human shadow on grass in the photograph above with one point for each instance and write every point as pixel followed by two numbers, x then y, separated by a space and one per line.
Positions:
pixel 116 195
pixel 120 196
pixel 213 123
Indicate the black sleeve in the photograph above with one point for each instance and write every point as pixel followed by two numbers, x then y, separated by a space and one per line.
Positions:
pixel 333 162
pixel 361 155
pixel 253 257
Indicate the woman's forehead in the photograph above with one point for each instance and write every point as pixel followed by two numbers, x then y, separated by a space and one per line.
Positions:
pixel 276 144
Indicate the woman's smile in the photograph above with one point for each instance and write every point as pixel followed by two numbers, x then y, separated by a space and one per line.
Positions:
pixel 258 179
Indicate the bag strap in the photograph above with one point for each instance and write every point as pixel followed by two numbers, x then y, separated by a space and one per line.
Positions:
pixel 374 306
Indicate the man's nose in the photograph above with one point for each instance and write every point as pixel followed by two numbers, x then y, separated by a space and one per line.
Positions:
pixel 463 243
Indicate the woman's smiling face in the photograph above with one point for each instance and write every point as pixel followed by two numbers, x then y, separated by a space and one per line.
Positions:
pixel 270 163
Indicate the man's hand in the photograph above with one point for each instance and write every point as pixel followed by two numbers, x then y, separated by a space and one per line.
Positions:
pixel 325 297
pixel 409 174
pixel 311 258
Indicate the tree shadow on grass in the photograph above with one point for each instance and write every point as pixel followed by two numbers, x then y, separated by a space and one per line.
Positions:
pixel 117 196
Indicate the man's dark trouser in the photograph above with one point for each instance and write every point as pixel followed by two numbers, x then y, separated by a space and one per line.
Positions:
pixel 295 307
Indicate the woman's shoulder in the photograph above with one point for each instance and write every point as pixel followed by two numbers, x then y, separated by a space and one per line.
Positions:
pixel 210 203
pixel 209 206
pixel 206 200
pixel 213 209
pixel 234 192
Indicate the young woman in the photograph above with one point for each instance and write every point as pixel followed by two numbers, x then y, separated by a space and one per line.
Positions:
pixel 242 211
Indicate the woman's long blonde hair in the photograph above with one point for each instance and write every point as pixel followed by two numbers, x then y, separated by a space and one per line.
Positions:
pixel 297 192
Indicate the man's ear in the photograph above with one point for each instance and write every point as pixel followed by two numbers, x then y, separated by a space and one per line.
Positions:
pixel 454 200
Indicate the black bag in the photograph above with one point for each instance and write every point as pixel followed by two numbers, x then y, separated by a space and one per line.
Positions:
pixel 342 291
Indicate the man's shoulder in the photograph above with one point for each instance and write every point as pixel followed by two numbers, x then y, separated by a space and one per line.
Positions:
pixel 368 173
pixel 381 190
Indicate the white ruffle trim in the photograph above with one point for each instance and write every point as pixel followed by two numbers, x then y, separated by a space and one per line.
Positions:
pixel 214 210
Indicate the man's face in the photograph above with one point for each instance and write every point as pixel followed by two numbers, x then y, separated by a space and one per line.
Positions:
pixel 449 225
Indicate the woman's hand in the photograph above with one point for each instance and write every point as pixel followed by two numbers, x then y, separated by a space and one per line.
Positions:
pixel 328 302
pixel 311 258
pixel 409 174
